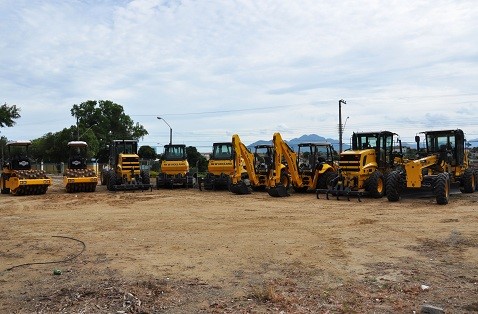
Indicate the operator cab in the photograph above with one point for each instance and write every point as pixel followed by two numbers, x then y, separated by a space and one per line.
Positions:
pixel 222 151
pixel 77 155
pixel 312 155
pixel 175 152
pixel 263 155
pixel 386 144
pixel 449 144
pixel 18 155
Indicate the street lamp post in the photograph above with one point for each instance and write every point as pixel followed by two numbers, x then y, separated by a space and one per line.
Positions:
pixel 170 130
pixel 340 123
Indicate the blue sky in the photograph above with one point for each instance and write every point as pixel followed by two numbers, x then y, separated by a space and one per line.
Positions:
pixel 214 68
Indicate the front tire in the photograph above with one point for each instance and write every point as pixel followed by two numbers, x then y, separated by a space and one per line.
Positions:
pixel 375 185
pixel 469 183
pixel 394 186
pixel 442 188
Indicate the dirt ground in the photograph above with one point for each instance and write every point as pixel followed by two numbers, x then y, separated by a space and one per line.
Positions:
pixel 191 251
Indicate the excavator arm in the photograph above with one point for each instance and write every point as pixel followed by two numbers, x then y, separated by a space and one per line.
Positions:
pixel 242 157
pixel 282 150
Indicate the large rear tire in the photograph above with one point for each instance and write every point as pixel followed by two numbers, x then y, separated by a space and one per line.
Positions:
pixel 111 181
pixel 375 185
pixel 469 183
pixel 285 180
pixel 442 188
pixel 325 180
pixel 145 177
pixel 394 186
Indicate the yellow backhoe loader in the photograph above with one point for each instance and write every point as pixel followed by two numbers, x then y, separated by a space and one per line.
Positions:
pixel 444 162
pixel 124 171
pixel 174 168
pixel 77 177
pixel 219 168
pixel 17 177
pixel 258 167
pixel 308 169
pixel 362 170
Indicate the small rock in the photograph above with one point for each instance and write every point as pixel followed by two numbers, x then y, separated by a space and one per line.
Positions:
pixel 425 287
pixel 431 309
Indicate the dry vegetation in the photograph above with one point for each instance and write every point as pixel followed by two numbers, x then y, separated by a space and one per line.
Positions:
pixel 186 251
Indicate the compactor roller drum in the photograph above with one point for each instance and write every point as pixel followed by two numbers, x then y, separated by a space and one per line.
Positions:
pixel 82 186
pixel 77 177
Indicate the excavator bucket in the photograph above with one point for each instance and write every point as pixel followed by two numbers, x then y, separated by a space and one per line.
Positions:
pixel 239 188
pixel 278 191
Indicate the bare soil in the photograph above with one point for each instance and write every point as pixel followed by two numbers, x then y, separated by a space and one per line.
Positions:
pixel 187 251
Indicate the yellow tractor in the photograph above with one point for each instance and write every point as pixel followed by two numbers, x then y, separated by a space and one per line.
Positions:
pixel 174 168
pixel 362 170
pixel 219 168
pixel 444 162
pixel 124 171
pixel 77 177
pixel 312 167
pixel 258 167
pixel 18 178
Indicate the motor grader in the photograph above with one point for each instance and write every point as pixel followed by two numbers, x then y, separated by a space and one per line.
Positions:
pixel 174 168
pixel 219 168
pixel 444 162
pixel 258 166
pixel 17 177
pixel 312 167
pixel 362 170
pixel 124 171
pixel 77 177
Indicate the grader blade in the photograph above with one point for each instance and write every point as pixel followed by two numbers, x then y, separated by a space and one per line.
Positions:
pixel 239 188
pixel 278 191
pixel 337 192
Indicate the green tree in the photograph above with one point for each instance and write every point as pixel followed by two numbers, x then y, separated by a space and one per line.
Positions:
pixel 108 122
pixel 196 158
pixel 53 147
pixel 8 114
pixel 147 152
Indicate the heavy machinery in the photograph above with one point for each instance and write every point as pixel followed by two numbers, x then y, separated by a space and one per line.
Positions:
pixel 17 177
pixel 77 177
pixel 444 162
pixel 258 166
pixel 174 168
pixel 124 171
pixel 263 159
pixel 219 168
pixel 362 170
pixel 312 167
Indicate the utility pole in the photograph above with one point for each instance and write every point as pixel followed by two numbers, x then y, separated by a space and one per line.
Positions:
pixel 340 124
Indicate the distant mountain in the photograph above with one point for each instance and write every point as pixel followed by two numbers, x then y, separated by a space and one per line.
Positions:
pixel 310 138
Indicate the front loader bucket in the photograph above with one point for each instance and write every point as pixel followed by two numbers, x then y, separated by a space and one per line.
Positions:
pixel 239 188
pixel 278 191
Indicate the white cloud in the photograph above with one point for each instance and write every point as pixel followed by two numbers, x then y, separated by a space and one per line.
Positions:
pixel 393 62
